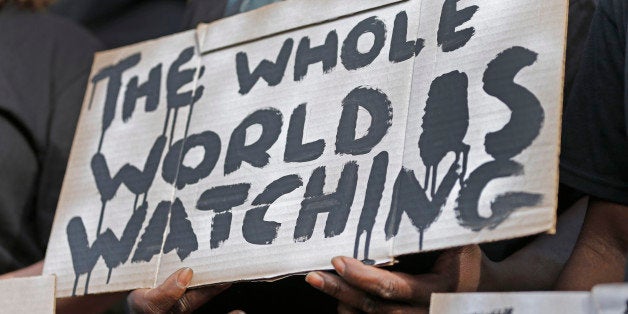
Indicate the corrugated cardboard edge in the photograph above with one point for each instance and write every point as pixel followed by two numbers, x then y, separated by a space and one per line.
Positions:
pixel 198 37
pixel 288 15
pixel 560 116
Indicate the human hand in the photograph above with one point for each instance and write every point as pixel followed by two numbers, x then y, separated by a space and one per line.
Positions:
pixel 172 296
pixel 362 288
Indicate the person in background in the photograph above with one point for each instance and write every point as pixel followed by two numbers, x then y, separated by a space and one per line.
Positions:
pixel 595 151
pixel 44 67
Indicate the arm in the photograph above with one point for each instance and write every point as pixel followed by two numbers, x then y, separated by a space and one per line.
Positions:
pixel 600 253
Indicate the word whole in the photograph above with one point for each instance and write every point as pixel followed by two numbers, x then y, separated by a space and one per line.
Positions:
pixel 422 203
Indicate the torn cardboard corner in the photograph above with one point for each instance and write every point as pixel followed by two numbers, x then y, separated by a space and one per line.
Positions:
pixel 603 299
pixel 34 295
pixel 253 148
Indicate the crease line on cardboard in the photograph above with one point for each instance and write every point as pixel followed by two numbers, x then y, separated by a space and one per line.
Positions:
pixel 259 23
pixel 187 126
pixel 392 249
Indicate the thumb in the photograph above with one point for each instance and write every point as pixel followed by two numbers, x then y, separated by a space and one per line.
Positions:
pixel 164 297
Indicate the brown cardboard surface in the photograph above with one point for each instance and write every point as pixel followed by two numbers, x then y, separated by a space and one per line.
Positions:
pixel 166 181
pixel 34 295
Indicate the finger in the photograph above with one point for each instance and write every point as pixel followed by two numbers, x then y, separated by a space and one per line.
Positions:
pixel 194 299
pixel 164 297
pixel 389 285
pixel 352 297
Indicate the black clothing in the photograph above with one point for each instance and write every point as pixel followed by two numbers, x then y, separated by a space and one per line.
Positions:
pixel 203 11
pixel 595 132
pixel 123 22
pixel 44 66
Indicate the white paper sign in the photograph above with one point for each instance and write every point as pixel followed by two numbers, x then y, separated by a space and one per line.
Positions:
pixel 603 299
pixel 33 295
pixel 380 129
pixel 611 299
pixel 512 303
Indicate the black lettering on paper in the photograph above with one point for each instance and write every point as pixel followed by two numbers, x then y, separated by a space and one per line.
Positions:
pixel 138 181
pixel 221 200
pixel 351 57
pixel 445 124
pixel 306 55
pixel 255 154
pixel 114 74
pixel 84 257
pixel 150 89
pixel 400 48
pixel 181 236
pixel 255 229
pixel 173 162
pixel 151 240
pixel 502 206
pixel 178 78
pixel 115 252
pixel 411 198
pixel 271 72
pixel 380 109
pixel 448 38
pixel 372 199
pixel 337 204
pixel 527 113
pixel 296 151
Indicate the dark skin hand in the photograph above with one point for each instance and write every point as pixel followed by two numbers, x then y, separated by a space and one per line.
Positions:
pixel 361 288
pixel 172 296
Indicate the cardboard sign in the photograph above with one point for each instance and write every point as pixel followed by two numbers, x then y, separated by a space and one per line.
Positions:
pixel 34 295
pixel 603 299
pixel 610 299
pixel 513 303
pixel 266 144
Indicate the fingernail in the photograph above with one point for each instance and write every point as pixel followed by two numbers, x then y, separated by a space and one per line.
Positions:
pixel 316 280
pixel 185 277
pixel 339 265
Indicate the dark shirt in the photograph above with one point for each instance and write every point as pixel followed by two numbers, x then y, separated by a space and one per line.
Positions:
pixel 44 65
pixel 595 133
pixel 123 22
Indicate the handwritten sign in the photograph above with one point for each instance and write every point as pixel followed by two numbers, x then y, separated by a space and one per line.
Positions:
pixel 603 299
pixel 267 143
pixel 28 295
pixel 512 303
pixel 610 298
